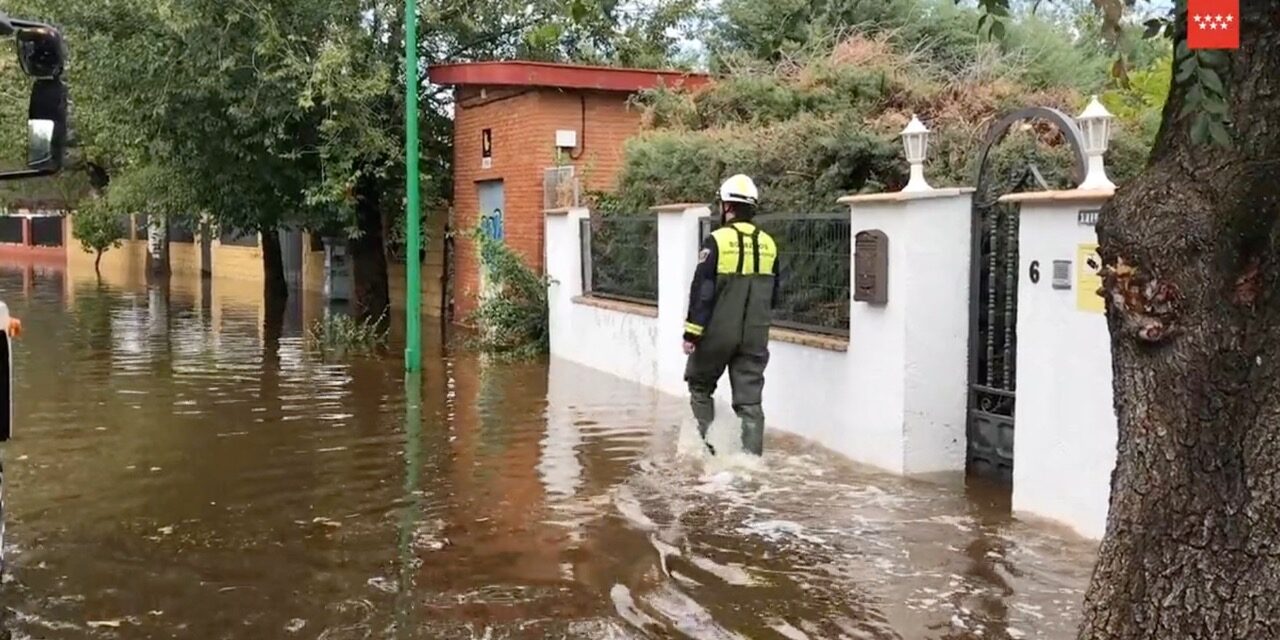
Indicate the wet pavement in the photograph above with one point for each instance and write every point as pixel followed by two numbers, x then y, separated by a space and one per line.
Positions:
pixel 185 465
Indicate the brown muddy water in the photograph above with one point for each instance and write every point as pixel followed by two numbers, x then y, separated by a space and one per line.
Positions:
pixel 185 466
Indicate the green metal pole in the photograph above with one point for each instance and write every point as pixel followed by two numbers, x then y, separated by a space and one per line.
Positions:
pixel 413 310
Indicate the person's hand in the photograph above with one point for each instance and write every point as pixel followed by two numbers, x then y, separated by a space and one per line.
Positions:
pixel 688 348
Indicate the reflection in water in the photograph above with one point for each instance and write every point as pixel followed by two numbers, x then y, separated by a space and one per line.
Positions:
pixel 185 466
pixel 413 461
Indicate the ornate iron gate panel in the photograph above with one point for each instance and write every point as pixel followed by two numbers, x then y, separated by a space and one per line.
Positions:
pixel 993 317
pixel 993 343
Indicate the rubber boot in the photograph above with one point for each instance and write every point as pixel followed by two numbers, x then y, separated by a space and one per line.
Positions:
pixel 752 429
pixel 753 437
pixel 704 411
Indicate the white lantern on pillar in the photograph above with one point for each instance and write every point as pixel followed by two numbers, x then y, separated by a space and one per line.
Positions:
pixel 1095 124
pixel 915 138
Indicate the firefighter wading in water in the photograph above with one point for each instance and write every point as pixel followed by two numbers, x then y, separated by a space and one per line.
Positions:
pixel 731 305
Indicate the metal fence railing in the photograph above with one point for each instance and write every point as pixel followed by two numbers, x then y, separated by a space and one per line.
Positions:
pixel 235 237
pixel 141 227
pixel 182 230
pixel 620 257
pixel 815 251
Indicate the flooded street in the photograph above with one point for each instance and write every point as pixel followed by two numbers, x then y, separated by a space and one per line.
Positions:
pixel 186 466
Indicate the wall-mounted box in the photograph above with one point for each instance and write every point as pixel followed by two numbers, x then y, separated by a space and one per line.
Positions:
pixel 1061 274
pixel 566 138
pixel 871 267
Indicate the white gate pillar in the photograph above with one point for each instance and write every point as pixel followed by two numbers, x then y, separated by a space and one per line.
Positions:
pixel 1065 444
pixel 908 352
pixel 678 243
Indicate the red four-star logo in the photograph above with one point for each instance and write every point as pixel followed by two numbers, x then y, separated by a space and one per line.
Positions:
pixel 1213 24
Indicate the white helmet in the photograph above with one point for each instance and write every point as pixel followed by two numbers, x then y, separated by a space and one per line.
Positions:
pixel 739 188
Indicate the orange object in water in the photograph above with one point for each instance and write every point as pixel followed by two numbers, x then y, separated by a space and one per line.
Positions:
pixel 15 327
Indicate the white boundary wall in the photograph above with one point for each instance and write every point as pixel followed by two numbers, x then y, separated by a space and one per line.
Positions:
pixel 892 395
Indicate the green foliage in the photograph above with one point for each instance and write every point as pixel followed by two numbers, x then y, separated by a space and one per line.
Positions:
pixel 341 334
pixel 512 317
pixel 98 228
pixel 1206 99
pixel 1034 51
pixel 1199 73
pixel 267 112
pixel 1138 104
pixel 812 129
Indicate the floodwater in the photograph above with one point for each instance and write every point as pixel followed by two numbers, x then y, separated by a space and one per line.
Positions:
pixel 187 466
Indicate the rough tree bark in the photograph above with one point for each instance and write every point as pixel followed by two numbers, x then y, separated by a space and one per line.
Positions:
pixel 158 266
pixel 1191 249
pixel 275 287
pixel 368 254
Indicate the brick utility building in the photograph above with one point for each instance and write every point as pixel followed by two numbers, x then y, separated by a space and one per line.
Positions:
pixel 532 136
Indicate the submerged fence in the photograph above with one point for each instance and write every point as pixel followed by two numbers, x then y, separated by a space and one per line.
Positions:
pixel 620 257
pixel 815 251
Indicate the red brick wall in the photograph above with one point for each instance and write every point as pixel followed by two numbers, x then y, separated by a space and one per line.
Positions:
pixel 523 123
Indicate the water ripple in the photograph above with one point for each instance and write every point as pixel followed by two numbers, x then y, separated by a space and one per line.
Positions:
pixel 184 467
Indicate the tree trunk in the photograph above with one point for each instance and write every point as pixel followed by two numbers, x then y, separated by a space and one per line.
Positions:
pixel 1191 251
pixel 275 285
pixel 158 252
pixel 97 265
pixel 446 284
pixel 368 255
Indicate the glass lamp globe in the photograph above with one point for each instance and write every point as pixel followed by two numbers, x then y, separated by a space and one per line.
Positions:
pixel 1095 123
pixel 915 138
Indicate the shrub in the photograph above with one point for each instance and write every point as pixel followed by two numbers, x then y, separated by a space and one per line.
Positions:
pixel 822 124
pixel 341 334
pixel 98 229
pixel 512 317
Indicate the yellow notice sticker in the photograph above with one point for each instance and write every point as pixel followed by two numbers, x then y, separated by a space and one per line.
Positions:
pixel 1087 279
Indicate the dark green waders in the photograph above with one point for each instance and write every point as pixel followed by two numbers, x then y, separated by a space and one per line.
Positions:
pixel 736 337
pixel 746 378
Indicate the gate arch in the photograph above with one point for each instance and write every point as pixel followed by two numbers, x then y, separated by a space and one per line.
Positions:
pixel 993 306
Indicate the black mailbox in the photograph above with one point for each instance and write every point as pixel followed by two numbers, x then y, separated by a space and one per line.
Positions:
pixel 871 267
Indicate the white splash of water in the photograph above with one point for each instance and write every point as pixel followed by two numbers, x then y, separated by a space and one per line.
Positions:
pixel 626 607
pixel 629 507
pixel 731 574
pixel 785 629
pixel 687 615
pixel 664 551
pixel 779 529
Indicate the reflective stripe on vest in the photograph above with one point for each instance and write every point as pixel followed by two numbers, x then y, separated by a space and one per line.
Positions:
pixel 744 250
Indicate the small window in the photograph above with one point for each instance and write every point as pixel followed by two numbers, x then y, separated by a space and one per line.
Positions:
pixel 11 230
pixel 46 231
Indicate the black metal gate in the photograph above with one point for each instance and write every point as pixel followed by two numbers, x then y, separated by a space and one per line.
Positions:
pixel 993 315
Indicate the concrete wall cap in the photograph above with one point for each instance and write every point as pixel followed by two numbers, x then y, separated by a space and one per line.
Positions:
pixel 904 196
pixel 677 207
pixel 648 311
pixel 1067 195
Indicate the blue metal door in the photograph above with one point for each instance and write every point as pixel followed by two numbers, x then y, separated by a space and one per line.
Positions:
pixel 492 203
